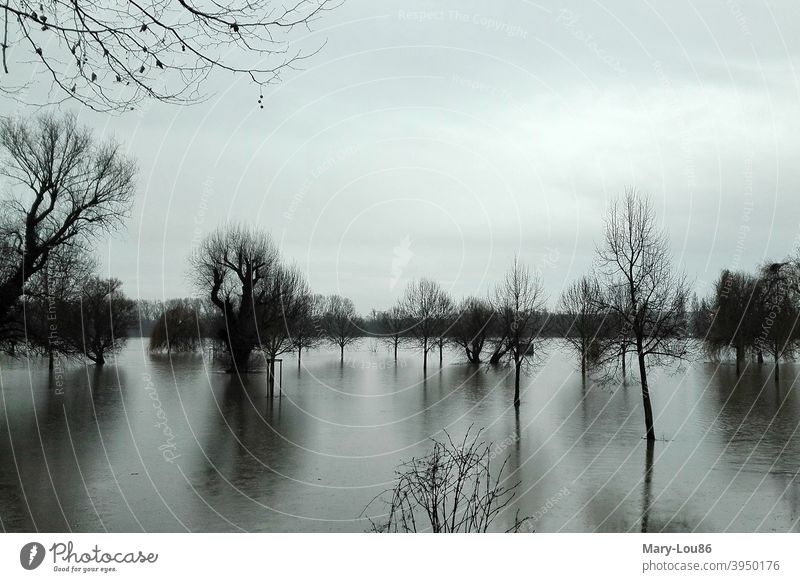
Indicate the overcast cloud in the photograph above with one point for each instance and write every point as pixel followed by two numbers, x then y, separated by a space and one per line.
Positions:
pixel 440 139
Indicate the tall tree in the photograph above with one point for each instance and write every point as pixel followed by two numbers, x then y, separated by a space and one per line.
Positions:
pixel 340 323
pixel 306 332
pixel 636 260
pixel 735 308
pixel 109 56
pixel 427 306
pixel 472 327
pixel 64 188
pixel 393 326
pixel 583 319
pixel 518 303
pixel 236 267
pixel 779 310
pixel 96 323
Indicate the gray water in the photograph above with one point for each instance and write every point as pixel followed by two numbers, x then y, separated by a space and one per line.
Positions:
pixel 153 443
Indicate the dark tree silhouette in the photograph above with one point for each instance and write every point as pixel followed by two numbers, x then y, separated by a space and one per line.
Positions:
pixel 778 312
pixel 518 303
pixel 307 328
pixel 472 327
pixel 583 322
pixel 636 260
pixel 109 56
pixel 96 323
pixel 427 306
pixel 237 267
pixel 735 308
pixel 393 325
pixel 180 328
pixel 63 189
pixel 340 323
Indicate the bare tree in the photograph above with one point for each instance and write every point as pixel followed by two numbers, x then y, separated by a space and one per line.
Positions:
pixel 778 310
pixel 472 327
pixel 393 325
pixel 518 304
pixel 236 266
pixel 452 489
pixel 181 326
pixel 735 308
pixel 96 323
pixel 427 306
pixel 340 322
pixel 286 303
pixel 636 260
pixel 583 319
pixel 110 56
pixel 307 329
pixel 64 189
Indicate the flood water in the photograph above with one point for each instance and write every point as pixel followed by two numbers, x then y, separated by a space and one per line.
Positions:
pixel 153 443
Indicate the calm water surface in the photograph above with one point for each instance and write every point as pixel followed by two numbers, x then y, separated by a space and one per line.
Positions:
pixel 154 443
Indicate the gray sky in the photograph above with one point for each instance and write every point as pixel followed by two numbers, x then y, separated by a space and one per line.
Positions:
pixel 440 139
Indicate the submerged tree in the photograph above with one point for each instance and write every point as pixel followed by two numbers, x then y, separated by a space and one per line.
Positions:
pixel 583 320
pixel 472 327
pixel 779 310
pixel 109 56
pixel 735 308
pixel 307 328
pixel 180 327
pixel 340 322
pixel 393 327
pixel 518 303
pixel 63 189
pixel 636 260
pixel 427 306
pixel 236 267
pixel 452 489
pixel 96 323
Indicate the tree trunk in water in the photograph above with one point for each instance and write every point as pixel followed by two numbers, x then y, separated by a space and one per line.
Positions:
pixel 648 408
pixel 299 356
pixel 440 354
pixel 777 369
pixel 271 377
pixel 424 355
pixel 583 364
pixel 739 358
pixel 623 364
pixel 240 357
pixel 99 359
pixel 760 357
pixel 50 363
pixel 517 366
pixel 341 354
pixel 395 351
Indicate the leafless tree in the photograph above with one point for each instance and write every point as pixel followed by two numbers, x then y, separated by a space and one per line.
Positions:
pixel 637 263
pixel 181 326
pixel 393 325
pixel 427 306
pixel 236 266
pixel 110 56
pixel 777 330
pixel 583 319
pixel 472 327
pixel 68 268
pixel 287 302
pixel 519 303
pixel 64 188
pixel 96 323
pixel 452 489
pixel 307 328
pixel 340 323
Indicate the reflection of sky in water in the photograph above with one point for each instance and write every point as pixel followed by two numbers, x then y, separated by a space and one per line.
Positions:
pixel 191 450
